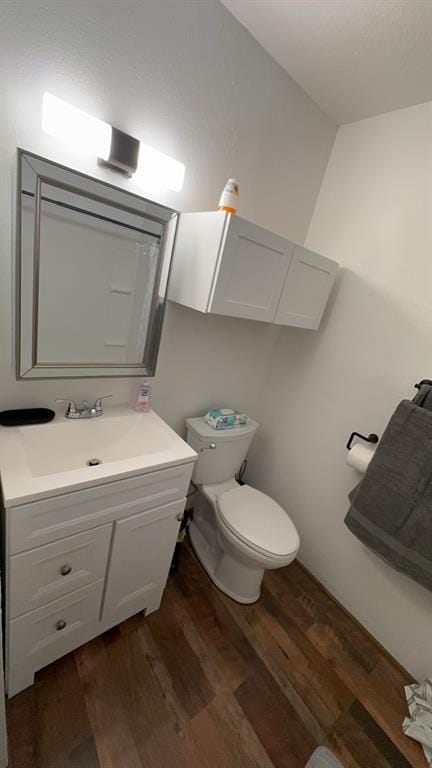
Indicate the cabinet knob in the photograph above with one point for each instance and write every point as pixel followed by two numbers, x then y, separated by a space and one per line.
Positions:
pixel 60 625
pixel 65 569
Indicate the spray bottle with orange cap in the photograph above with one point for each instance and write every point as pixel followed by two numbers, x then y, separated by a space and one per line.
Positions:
pixel 229 197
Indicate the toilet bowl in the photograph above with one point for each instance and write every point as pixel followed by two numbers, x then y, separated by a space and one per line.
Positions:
pixel 237 532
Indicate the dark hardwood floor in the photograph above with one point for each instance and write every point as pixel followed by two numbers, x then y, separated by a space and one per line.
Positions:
pixel 207 683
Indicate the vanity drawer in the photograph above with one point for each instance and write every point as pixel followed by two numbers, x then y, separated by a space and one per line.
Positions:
pixel 49 572
pixel 41 522
pixel 42 636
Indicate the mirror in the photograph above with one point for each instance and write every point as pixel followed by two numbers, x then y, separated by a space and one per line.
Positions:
pixel 92 270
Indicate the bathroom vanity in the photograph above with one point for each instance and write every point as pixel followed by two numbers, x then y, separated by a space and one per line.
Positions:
pixel 3 735
pixel 86 546
pixel 91 506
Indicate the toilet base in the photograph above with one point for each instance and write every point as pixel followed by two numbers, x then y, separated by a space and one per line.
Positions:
pixel 235 579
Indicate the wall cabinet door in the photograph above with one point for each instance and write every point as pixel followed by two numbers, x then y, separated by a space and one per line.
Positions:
pixel 306 289
pixel 141 555
pixel 253 263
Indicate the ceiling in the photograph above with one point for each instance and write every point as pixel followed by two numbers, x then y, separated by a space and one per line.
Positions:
pixel 355 58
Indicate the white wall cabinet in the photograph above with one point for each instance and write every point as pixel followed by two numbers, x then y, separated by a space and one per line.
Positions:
pixel 81 562
pixel 226 265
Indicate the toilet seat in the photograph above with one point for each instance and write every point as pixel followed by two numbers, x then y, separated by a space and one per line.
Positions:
pixel 258 521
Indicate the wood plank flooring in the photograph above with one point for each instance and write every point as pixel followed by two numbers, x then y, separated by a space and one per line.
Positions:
pixel 207 683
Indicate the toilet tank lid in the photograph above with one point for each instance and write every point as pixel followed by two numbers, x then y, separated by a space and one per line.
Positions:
pixel 205 432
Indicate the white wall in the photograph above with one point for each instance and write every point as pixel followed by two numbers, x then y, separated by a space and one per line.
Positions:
pixel 187 78
pixel 373 216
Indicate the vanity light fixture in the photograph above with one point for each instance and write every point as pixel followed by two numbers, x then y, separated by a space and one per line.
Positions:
pixel 113 148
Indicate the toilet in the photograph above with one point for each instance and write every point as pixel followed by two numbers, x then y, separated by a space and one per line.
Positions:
pixel 237 532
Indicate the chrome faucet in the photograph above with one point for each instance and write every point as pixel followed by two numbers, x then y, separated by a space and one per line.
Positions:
pixel 83 411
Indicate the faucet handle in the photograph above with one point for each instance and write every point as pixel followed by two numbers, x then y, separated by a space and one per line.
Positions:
pixel 98 402
pixel 72 406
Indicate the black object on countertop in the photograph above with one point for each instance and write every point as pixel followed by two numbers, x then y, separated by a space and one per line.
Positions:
pixel 21 417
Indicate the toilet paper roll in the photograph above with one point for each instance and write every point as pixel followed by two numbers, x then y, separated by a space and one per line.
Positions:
pixel 359 456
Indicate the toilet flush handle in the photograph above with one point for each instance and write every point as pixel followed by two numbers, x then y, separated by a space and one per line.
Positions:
pixel 210 447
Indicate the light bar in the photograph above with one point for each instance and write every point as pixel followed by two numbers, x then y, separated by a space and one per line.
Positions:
pixel 158 169
pixel 72 126
pixel 110 146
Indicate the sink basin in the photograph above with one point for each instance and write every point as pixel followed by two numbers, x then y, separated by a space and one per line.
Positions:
pixel 70 444
pixel 48 459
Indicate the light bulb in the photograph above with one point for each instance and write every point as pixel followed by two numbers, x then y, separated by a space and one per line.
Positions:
pixel 74 127
pixel 158 170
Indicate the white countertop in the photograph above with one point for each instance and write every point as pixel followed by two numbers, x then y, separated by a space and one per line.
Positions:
pixel 46 460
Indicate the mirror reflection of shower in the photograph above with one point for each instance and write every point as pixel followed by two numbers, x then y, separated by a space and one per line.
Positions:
pixel 93 271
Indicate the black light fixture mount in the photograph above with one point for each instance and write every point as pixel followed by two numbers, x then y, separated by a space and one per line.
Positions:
pixel 124 153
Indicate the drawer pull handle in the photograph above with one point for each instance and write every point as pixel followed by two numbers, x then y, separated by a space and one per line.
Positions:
pixel 60 625
pixel 65 569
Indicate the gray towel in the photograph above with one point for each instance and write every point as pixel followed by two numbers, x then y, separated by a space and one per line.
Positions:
pixel 391 509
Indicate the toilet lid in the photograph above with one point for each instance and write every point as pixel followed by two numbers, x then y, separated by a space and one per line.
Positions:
pixel 258 520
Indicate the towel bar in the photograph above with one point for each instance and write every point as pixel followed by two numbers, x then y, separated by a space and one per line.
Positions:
pixel 423 381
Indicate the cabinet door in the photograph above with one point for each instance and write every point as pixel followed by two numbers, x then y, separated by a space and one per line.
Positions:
pixel 252 267
pixel 141 555
pixel 197 248
pixel 306 289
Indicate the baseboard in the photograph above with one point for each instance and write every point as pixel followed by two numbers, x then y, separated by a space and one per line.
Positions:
pixel 356 621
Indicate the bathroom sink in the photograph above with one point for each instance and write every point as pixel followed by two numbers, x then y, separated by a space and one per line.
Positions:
pixel 104 439
pixel 66 454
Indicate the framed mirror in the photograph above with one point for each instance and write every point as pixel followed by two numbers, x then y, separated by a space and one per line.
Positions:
pixel 92 270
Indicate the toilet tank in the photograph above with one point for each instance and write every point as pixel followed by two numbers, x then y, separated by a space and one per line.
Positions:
pixel 222 461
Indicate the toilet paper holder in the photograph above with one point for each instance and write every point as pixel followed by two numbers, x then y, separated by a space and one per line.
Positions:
pixel 372 438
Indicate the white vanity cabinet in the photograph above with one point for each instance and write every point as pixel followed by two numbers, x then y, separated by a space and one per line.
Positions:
pixel 3 735
pixel 226 265
pixel 80 562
